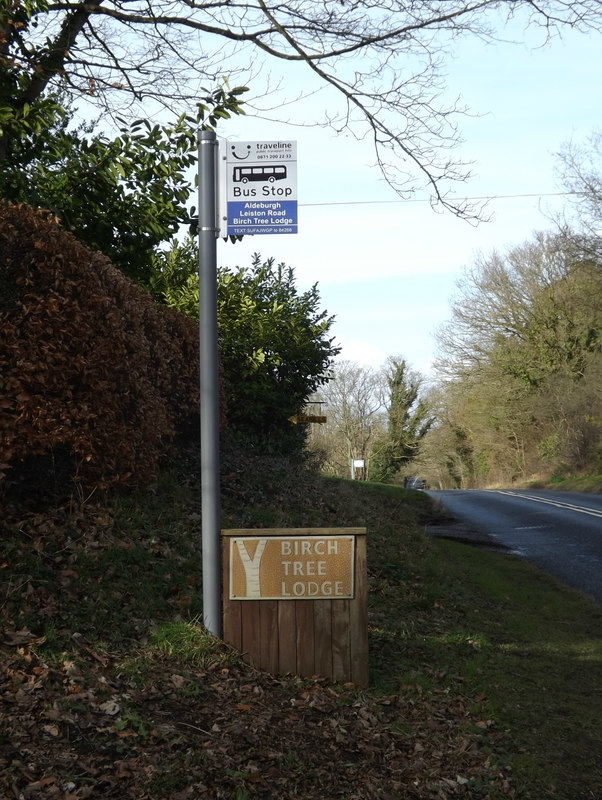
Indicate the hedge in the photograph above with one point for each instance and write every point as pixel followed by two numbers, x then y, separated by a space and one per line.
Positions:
pixel 96 379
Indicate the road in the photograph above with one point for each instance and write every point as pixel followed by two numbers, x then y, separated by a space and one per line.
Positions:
pixel 560 532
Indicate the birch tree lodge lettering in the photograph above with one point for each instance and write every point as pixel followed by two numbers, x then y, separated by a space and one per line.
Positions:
pixel 295 568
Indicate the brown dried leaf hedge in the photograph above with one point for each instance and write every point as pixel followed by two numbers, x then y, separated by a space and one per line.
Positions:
pixel 93 373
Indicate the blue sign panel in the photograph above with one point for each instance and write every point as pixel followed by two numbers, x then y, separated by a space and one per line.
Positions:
pixel 262 216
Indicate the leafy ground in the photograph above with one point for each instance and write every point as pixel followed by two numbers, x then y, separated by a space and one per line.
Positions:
pixel 484 673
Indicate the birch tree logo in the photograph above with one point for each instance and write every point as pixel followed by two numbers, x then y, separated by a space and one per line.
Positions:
pixel 251 567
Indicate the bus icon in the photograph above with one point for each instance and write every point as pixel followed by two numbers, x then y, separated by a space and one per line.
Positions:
pixel 267 173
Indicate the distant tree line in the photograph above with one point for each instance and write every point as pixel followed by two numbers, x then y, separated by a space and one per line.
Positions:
pixel 520 366
pixel 517 392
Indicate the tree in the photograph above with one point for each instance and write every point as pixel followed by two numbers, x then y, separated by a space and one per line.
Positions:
pixel 484 432
pixel 354 400
pixel 409 420
pixel 580 174
pixel 275 350
pixel 532 312
pixel 579 170
pixel 519 356
pixel 122 196
pixel 274 343
pixel 373 415
pixel 382 60
pixel 174 279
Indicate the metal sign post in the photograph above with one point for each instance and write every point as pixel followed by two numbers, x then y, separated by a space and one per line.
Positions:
pixel 261 177
pixel 209 385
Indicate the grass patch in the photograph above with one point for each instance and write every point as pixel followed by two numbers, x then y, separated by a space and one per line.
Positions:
pixel 189 643
pixel 527 650
pixel 568 483
pixel 584 483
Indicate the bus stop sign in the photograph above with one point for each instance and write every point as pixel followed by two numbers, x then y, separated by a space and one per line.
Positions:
pixel 261 187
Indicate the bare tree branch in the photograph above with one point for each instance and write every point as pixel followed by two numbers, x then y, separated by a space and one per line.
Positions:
pixel 383 59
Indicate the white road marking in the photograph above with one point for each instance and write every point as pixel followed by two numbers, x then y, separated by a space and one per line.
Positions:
pixel 592 512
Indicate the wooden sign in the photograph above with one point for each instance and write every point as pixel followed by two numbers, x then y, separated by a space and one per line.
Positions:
pixel 292 567
pixel 304 634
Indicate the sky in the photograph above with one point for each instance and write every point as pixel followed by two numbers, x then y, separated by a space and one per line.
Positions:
pixel 387 268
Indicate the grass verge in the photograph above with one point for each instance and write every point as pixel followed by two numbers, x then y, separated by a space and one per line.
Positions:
pixel 526 649
pixel 484 672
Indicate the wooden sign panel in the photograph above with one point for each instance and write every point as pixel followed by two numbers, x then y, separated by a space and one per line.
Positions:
pixel 292 567
pixel 305 634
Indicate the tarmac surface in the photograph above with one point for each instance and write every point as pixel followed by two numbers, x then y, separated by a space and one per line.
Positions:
pixel 457 531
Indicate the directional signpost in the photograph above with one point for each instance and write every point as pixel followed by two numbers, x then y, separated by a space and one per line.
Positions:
pixel 261 187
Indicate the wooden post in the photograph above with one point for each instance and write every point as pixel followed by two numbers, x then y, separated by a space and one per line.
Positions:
pixel 307 613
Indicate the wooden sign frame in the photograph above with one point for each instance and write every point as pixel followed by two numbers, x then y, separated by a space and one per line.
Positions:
pixel 305 636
